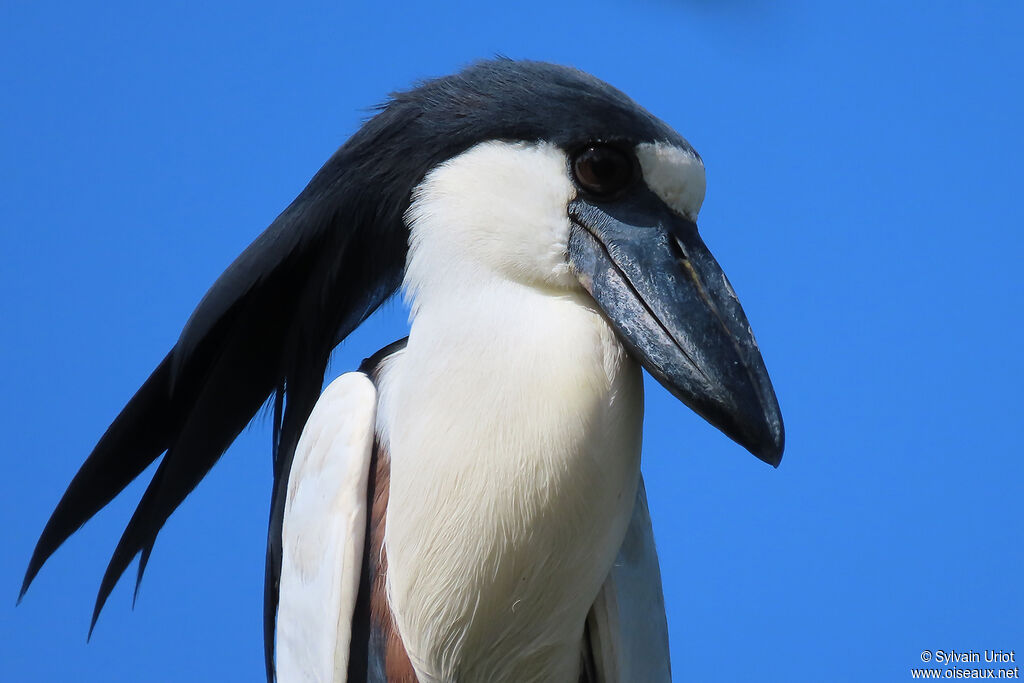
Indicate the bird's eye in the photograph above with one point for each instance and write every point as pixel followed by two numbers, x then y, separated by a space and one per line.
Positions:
pixel 602 170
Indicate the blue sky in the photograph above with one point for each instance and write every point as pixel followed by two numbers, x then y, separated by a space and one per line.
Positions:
pixel 863 195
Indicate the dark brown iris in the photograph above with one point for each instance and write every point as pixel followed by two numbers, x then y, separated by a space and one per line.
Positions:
pixel 603 170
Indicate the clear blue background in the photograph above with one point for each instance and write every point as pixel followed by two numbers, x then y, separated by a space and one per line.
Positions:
pixel 864 195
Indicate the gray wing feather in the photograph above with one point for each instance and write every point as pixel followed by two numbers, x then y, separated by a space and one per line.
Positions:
pixel 627 625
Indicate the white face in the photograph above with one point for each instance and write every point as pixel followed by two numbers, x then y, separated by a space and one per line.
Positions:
pixel 500 210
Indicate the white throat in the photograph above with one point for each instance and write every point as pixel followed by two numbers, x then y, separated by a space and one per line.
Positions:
pixel 513 420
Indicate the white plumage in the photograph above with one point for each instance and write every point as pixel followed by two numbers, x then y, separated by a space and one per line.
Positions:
pixel 513 423
pixel 324 537
pixel 324 529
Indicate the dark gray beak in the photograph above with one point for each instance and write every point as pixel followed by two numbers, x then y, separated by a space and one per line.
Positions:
pixel 674 309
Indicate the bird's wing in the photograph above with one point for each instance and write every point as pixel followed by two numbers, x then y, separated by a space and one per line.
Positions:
pixel 627 627
pixel 325 518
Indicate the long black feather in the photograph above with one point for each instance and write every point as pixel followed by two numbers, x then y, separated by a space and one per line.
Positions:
pixel 270 321
pixel 133 441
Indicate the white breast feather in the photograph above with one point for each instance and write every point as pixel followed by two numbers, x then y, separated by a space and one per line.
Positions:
pixel 513 421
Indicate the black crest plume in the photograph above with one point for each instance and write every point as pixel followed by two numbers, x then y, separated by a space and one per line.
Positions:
pixel 268 324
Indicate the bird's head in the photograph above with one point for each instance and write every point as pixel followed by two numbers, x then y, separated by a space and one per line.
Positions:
pixel 546 176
